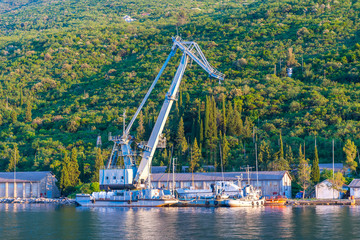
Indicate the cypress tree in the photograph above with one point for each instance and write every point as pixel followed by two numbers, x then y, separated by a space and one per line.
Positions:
pixel 21 97
pixel 315 170
pixel 28 114
pixel 289 156
pixel 201 135
pixel 238 123
pixel 247 129
pixel 214 120
pixel 301 155
pixel 195 157
pixel 281 152
pixel 224 115
pixel 65 177
pixel 207 120
pixel 14 159
pixel 225 150
pixel 198 125
pixel 74 168
pixel 180 138
pixel 13 116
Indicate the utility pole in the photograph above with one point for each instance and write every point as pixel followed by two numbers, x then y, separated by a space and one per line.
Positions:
pixel 333 167
pixel 257 173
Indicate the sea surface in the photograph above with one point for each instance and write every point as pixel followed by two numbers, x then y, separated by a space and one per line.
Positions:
pixel 30 221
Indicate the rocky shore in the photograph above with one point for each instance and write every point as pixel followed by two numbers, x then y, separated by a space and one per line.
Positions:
pixel 61 201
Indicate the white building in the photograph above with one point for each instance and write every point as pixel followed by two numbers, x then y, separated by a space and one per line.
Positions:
pixel 28 185
pixel 355 188
pixel 270 182
pixel 324 190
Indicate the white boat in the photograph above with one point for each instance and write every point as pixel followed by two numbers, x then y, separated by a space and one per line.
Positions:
pixel 251 198
pixel 127 198
pixel 227 187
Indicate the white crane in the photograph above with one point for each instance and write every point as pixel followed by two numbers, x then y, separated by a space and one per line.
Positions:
pixel 131 176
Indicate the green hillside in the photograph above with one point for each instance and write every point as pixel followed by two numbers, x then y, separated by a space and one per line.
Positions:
pixel 68 70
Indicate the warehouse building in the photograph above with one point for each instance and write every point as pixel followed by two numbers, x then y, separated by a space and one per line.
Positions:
pixel 271 183
pixel 28 185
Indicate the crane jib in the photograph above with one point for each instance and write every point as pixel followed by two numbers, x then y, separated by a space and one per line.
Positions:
pixel 132 176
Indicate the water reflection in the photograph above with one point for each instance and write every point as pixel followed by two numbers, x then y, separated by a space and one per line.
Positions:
pixel 20 221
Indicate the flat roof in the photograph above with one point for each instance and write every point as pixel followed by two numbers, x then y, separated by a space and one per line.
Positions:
pixel 217 176
pixel 23 176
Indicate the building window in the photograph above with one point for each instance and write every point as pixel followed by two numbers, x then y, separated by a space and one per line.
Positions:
pixel 114 177
pixel 107 178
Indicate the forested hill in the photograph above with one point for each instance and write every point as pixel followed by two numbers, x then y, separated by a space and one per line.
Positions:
pixel 70 68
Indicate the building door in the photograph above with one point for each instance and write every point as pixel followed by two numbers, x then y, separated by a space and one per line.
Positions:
pixel 19 190
pixel 27 190
pixel 10 190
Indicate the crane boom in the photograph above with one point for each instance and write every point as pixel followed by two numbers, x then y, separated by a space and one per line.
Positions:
pixel 114 178
pixel 190 50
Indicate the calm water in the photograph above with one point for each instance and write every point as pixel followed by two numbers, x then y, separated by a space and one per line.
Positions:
pixel 57 222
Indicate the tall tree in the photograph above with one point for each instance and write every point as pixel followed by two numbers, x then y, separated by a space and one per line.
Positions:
pixel 65 176
pixel 224 115
pixel 315 170
pixel 289 156
pixel 14 159
pixel 350 152
pixel 195 157
pixel 224 150
pixel 28 115
pixel 181 142
pixel 74 167
pixel 281 151
pixel 304 171
pixel 338 182
pixel 264 155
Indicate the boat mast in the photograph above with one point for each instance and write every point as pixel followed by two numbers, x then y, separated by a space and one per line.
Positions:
pixel 173 175
pixel 222 167
pixel 257 172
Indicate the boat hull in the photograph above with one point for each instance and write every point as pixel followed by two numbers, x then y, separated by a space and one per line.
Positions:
pixel 87 201
pixel 201 203
pixel 244 203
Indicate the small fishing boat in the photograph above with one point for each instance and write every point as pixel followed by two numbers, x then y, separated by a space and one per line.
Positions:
pixel 251 198
pixel 275 201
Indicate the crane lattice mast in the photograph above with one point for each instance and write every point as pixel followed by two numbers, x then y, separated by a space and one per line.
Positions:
pixel 190 50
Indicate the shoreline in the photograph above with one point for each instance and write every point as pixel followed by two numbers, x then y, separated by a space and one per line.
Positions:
pixel 289 202
pixel 312 202
pixel 60 201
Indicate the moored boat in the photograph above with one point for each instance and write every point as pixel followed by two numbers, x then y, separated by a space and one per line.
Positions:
pixel 251 198
pixel 127 198
pixel 275 201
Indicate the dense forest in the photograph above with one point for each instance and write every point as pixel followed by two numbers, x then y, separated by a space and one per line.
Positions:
pixel 69 69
